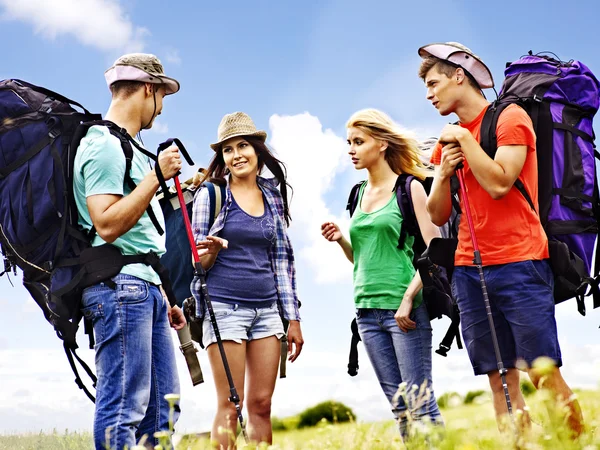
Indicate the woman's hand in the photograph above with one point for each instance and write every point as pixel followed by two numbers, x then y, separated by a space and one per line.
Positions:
pixel 211 246
pixel 295 340
pixel 402 316
pixel 331 232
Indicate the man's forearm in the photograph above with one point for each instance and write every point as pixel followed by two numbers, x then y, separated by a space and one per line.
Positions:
pixel 122 215
pixel 439 202
pixel 488 173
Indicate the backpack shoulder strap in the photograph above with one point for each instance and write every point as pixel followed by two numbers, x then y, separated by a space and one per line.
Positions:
pixel 409 223
pixel 452 333
pixel 216 197
pixel 353 198
pixel 71 357
pixel 353 357
pixel 404 198
pixel 489 139
pixel 596 211
pixel 125 140
pixel 283 349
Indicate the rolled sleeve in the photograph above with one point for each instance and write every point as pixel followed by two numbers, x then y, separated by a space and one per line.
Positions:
pixel 201 215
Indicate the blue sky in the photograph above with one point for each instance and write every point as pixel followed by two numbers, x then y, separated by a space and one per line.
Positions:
pixel 300 69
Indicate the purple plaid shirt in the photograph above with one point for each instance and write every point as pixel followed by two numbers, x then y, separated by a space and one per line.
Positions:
pixel 281 254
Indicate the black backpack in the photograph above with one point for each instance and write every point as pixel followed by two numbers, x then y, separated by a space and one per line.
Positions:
pixel 178 257
pixel 437 294
pixel 40 132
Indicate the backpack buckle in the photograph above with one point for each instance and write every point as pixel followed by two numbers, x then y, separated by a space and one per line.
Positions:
pixel 443 350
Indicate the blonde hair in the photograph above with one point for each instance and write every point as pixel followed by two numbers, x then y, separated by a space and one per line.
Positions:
pixel 402 154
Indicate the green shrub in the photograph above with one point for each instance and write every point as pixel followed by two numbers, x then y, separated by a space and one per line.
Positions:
pixel 291 422
pixel 449 399
pixel 277 424
pixel 472 395
pixel 527 387
pixel 331 411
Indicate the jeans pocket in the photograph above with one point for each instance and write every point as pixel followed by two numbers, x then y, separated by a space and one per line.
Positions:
pixel 94 313
pixel 132 292
pixel 358 312
pixel 535 273
pixel 222 310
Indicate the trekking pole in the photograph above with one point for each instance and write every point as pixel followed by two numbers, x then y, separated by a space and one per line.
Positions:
pixel 488 309
pixel 201 273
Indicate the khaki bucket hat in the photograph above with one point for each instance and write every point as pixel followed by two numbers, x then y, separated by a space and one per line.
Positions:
pixel 142 67
pixel 236 124
pixel 459 55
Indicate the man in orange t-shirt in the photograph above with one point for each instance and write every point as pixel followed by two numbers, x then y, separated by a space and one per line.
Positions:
pixel 512 242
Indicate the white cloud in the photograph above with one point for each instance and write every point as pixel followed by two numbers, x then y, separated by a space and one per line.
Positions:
pixel 159 127
pixel 30 306
pixel 172 56
pixel 96 23
pixel 313 157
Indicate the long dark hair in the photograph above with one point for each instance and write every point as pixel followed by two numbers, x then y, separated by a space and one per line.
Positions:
pixel 217 170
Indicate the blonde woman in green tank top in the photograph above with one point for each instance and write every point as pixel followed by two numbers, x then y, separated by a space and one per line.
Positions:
pixel 392 320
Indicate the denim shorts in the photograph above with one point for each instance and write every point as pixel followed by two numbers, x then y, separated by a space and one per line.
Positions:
pixel 238 323
pixel 522 307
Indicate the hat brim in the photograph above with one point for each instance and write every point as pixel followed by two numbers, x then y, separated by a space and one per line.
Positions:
pixel 260 134
pixel 172 85
pixel 131 73
pixel 479 71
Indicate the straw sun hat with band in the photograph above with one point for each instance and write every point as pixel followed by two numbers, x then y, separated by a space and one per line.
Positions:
pixel 142 67
pixel 236 124
pixel 460 56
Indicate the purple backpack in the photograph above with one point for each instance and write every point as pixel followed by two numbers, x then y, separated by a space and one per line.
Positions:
pixel 561 98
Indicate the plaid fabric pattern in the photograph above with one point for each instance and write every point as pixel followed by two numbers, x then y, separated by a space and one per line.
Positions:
pixel 282 254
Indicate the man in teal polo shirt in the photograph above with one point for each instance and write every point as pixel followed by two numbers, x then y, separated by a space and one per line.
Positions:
pixel 135 358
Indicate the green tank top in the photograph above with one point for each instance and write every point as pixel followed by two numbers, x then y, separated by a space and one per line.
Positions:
pixel 382 272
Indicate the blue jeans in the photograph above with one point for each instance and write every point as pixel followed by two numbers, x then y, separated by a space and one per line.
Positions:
pixel 400 357
pixel 135 361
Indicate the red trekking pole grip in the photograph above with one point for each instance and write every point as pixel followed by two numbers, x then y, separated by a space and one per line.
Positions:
pixel 186 221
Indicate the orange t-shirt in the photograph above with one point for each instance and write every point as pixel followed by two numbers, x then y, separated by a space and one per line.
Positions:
pixel 507 230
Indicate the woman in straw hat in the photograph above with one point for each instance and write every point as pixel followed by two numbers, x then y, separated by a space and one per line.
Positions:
pixel 251 274
pixel 392 320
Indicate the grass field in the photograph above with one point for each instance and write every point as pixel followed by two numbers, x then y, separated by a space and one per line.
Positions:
pixel 468 427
